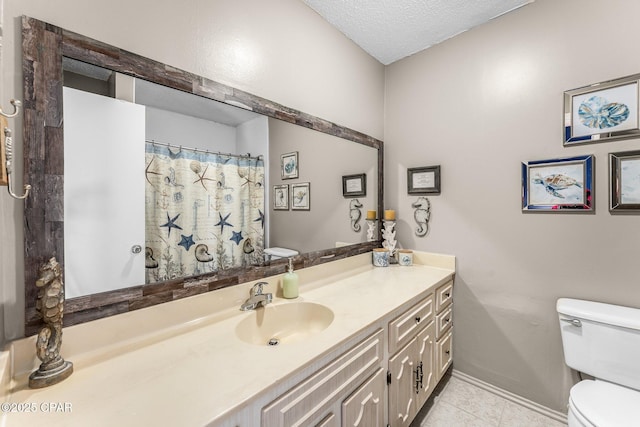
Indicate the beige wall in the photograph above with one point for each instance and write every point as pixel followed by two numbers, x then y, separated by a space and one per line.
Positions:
pixel 479 105
pixel 280 50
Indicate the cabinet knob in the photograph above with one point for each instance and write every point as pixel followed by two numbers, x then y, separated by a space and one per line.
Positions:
pixel 417 319
pixel 447 294
pixel 447 352
pixel 447 320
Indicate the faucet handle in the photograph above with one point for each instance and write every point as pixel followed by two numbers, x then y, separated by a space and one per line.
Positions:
pixel 257 288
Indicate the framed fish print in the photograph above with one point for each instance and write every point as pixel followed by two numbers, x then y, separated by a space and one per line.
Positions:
pixel 281 197
pixel 300 197
pixel 602 112
pixel 289 165
pixel 559 185
pixel 624 181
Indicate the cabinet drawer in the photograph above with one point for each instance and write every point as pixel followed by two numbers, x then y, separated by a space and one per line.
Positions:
pixel 444 295
pixel 444 353
pixel 405 326
pixel 310 400
pixel 444 321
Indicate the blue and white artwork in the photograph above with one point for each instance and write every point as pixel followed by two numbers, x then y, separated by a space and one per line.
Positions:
pixel 558 184
pixel 550 185
pixel 608 110
pixel 630 181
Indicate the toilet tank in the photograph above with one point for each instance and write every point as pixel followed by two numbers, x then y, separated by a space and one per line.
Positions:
pixel 601 340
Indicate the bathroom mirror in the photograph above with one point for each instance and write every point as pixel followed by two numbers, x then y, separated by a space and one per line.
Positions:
pixel 44 49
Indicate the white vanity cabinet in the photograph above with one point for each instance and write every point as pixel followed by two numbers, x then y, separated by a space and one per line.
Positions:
pixel 382 380
pixel 349 388
pixel 411 369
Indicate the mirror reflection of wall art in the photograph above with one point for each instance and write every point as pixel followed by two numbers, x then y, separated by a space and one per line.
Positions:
pixel 300 196
pixel 289 165
pixel 281 197
pixel 558 185
pixel 423 180
pixel 601 112
pixel 354 185
pixel 624 181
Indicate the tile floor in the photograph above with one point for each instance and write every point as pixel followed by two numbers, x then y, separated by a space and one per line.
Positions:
pixel 460 404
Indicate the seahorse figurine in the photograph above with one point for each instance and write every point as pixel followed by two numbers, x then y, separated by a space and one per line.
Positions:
pixel 355 214
pixel 421 215
pixel 50 305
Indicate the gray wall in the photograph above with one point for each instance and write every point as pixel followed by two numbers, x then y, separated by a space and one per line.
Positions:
pixel 323 160
pixel 479 105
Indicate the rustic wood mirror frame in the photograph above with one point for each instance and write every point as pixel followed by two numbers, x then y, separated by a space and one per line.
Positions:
pixel 44 45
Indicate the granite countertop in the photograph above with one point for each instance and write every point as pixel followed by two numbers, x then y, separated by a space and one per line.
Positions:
pixel 190 368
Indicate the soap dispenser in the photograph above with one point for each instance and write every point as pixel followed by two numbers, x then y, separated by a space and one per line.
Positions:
pixel 290 282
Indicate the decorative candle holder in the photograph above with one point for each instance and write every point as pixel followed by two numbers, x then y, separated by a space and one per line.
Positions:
pixel 371 229
pixel 390 242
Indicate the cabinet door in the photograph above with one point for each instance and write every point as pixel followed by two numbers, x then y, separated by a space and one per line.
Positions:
pixel 426 351
pixel 402 390
pixel 365 407
pixel 444 354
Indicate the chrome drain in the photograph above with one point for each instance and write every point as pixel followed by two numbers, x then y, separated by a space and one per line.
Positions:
pixel 273 341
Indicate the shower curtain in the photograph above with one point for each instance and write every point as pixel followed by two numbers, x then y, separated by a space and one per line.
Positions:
pixel 204 212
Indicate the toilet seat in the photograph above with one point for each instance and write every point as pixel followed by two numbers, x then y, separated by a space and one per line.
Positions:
pixel 600 403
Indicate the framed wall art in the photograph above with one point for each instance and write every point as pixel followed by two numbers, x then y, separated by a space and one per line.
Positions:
pixel 281 197
pixel 559 185
pixel 289 165
pixel 602 112
pixel 624 181
pixel 423 180
pixel 300 197
pixel 354 185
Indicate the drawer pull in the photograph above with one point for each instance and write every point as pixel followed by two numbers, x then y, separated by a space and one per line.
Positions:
pixel 447 294
pixel 447 320
pixel 417 319
pixel 447 352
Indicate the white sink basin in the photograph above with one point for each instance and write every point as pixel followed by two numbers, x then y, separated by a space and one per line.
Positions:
pixel 284 323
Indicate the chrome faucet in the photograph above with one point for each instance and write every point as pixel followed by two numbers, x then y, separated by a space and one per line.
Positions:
pixel 256 297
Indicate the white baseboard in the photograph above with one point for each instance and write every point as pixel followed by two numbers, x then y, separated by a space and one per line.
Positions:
pixel 556 415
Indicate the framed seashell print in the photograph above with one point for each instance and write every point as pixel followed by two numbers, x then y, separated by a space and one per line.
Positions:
pixel 602 111
pixel 301 196
pixel 624 181
pixel 289 165
pixel 559 185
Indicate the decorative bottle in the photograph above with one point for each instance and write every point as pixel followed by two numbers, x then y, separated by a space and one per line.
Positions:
pixel 290 282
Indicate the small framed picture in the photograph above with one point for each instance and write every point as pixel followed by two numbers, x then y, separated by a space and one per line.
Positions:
pixel 300 197
pixel 423 180
pixel 354 185
pixel 624 181
pixel 281 197
pixel 559 185
pixel 289 165
pixel 602 112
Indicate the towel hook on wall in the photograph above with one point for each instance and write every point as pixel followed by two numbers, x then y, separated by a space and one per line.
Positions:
pixel 8 152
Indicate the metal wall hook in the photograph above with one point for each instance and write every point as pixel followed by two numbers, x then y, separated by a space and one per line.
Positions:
pixel 8 141
pixel 16 109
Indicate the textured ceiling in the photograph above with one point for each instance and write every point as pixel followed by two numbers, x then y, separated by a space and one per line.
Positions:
pixel 390 30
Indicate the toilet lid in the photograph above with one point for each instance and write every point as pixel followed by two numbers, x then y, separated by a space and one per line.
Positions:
pixel 606 404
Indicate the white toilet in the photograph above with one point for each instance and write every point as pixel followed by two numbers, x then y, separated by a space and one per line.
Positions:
pixel 602 340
